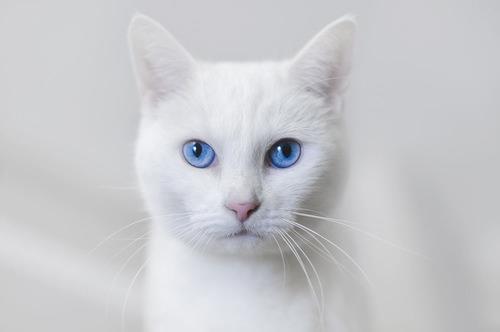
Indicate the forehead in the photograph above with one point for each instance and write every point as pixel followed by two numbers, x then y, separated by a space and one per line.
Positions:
pixel 241 105
pixel 242 97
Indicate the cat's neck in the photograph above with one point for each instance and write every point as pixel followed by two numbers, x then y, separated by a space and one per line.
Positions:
pixel 245 288
pixel 202 262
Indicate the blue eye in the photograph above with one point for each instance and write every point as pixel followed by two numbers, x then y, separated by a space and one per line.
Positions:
pixel 284 153
pixel 198 154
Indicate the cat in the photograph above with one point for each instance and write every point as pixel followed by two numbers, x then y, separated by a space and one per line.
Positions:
pixel 233 159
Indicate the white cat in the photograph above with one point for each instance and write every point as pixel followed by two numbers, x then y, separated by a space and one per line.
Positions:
pixel 232 158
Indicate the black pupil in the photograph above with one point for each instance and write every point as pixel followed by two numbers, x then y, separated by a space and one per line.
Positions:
pixel 286 149
pixel 197 149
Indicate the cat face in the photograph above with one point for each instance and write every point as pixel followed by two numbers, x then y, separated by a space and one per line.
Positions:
pixel 228 152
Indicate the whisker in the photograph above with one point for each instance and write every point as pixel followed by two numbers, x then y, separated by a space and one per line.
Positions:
pixel 369 234
pixel 201 235
pixel 322 295
pixel 307 229
pixel 320 214
pixel 207 241
pixel 323 251
pixel 192 242
pixel 282 258
pixel 127 295
pixel 329 256
pixel 320 251
pixel 302 265
pixel 180 228
pixel 184 231
pixel 115 278
pixel 142 237
pixel 110 236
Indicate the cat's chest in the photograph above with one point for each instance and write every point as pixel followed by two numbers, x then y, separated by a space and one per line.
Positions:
pixel 222 309
pixel 191 295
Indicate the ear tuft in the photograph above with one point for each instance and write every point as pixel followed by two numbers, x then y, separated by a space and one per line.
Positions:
pixel 324 63
pixel 161 64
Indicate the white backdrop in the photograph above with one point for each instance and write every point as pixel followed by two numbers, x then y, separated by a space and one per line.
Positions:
pixel 423 110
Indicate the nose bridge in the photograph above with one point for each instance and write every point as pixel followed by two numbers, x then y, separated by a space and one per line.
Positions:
pixel 241 174
pixel 243 186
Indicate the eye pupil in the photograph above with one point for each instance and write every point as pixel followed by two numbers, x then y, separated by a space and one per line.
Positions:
pixel 286 149
pixel 197 149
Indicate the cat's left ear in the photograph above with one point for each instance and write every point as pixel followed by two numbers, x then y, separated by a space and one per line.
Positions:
pixel 323 65
pixel 162 66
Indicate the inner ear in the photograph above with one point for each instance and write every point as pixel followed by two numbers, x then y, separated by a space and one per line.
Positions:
pixel 323 65
pixel 161 64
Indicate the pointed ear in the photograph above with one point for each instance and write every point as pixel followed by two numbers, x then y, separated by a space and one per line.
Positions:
pixel 323 64
pixel 161 64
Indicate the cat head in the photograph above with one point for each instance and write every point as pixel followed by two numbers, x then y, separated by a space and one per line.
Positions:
pixel 228 153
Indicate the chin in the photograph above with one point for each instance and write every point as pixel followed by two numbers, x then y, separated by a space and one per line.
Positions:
pixel 244 242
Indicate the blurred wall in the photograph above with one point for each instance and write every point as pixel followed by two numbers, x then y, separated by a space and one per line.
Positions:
pixel 423 110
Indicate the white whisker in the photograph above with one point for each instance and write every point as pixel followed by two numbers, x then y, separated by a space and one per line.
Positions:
pixel 307 229
pixel 142 237
pixel 282 258
pixel 115 277
pixel 110 236
pixel 125 302
pixel 320 285
pixel 369 234
pixel 302 265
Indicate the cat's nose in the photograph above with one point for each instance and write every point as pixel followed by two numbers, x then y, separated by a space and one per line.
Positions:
pixel 243 210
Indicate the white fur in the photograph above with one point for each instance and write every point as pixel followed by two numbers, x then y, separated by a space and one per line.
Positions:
pixel 201 278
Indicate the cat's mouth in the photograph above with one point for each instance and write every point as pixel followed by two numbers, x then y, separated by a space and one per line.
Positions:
pixel 243 233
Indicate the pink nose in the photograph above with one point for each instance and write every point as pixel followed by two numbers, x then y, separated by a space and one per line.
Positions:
pixel 243 210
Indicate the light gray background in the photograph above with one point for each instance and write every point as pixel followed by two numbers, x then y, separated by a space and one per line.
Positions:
pixel 424 96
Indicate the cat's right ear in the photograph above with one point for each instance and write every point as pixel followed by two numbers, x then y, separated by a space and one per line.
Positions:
pixel 162 66
pixel 324 63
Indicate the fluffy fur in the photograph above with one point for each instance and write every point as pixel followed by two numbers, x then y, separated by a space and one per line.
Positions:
pixel 204 274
